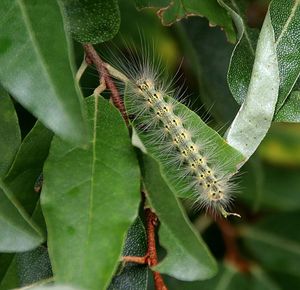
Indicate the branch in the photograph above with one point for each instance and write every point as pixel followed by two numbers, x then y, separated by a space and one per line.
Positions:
pixel 92 57
pixel 151 256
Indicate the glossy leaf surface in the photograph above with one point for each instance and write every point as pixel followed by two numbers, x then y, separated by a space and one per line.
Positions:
pixel 92 21
pixel 35 66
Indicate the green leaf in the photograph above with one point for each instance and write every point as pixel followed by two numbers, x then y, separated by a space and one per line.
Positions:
pixel 275 243
pixel 242 59
pixel 285 17
pixel 255 115
pixel 173 11
pixel 91 196
pixel 188 257
pixel 35 65
pixel 209 67
pixel 33 266
pixel 26 268
pixel 223 153
pixel 18 233
pixel 132 276
pixel 5 261
pixel 92 21
pixel 10 280
pixel 10 136
pixel 289 112
pixel 28 165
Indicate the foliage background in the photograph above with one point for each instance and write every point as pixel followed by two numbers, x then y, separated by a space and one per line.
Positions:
pixel 268 199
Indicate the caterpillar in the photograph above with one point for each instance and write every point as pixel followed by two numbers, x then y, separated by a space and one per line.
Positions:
pixel 153 106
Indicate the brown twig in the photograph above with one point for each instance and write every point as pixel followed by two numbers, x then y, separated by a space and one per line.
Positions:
pixel 151 255
pixel 92 57
pixel 232 255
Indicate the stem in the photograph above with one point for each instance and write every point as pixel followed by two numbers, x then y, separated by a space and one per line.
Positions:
pixel 151 255
pixel 92 57
pixel 152 260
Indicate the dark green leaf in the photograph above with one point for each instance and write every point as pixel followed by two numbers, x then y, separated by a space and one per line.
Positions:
pixel 290 112
pixel 133 276
pixel 188 257
pixel 28 165
pixel 10 136
pixel 33 266
pixel 285 18
pixel 92 21
pixel 10 280
pixel 18 233
pixel 35 65
pixel 209 66
pixel 242 59
pixel 91 196
pixel 275 242
pixel 172 11
pixel 5 260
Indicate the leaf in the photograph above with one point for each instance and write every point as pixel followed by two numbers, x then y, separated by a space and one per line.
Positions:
pixel 5 260
pixel 209 67
pixel 27 268
pixel 255 115
pixel 17 231
pixel 132 276
pixel 275 243
pixel 92 196
pixel 10 280
pixel 188 257
pixel 35 66
pixel 289 112
pixel 223 153
pixel 28 165
pixel 33 266
pixel 285 17
pixel 10 135
pixel 92 21
pixel 172 11
pixel 242 58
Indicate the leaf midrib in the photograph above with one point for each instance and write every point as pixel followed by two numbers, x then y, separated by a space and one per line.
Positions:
pixel 36 48
pixel 94 158
pixel 287 23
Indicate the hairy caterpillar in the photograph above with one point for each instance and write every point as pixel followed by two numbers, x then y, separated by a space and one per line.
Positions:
pixel 156 113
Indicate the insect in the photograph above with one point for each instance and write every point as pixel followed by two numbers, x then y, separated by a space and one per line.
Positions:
pixel 164 125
